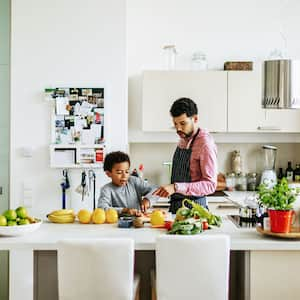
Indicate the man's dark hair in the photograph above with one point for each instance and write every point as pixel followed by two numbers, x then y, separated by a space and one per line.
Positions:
pixel 114 158
pixel 184 105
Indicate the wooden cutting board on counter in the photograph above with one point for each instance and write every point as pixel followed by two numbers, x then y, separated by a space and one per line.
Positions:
pixel 293 234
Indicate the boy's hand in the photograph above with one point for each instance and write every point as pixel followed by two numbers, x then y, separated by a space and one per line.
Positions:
pixel 131 211
pixel 145 204
pixel 165 190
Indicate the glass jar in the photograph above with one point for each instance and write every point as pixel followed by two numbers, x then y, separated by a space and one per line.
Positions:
pixel 251 181
pixel 230 181
pixel 199 62
pixel 241 182
pixel 170 57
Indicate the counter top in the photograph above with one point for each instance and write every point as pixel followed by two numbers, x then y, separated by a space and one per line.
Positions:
pixel 46 237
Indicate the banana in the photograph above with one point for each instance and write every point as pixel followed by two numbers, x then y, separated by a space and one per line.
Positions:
pixel 70 218
pixel 62 212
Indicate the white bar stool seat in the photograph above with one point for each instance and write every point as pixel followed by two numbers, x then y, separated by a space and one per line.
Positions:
pixel 97 269
pixel 192 267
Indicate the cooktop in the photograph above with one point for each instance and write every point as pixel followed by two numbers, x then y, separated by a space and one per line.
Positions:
pixel 242 222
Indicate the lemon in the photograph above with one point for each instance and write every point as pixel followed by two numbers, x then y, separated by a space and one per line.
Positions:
pixel 111 216
pixel 84 216
pixel 98 216
pixel 157 218
pixel 3 221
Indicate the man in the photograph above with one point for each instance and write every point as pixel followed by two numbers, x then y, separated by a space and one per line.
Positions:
pixel 194 166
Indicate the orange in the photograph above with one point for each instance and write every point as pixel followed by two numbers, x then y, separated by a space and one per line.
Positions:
pixel 98 216
pixel 84 216
pixel 111 215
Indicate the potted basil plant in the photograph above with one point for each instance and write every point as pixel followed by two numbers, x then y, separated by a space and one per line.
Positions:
pixel 279 201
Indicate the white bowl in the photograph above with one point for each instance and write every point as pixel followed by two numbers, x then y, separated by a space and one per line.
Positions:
pixel 19 229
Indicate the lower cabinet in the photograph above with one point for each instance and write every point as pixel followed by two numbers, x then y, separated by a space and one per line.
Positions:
pixel 45 275
pixel 274 275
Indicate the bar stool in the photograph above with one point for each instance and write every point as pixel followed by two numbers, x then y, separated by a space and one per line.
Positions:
pixel 97 269
pixel 192 267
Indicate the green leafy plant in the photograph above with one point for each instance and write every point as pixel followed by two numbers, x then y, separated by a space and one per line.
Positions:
pixel 280 197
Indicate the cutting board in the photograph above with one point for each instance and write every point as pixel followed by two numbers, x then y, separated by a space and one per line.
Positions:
pixel 293 234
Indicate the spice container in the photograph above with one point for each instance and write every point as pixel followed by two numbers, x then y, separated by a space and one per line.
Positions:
pixel 241 182
pixel 230 181
pixel 251 182
pixel 199 62
pixel 170 57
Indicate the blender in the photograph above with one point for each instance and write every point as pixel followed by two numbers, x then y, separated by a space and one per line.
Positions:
pixel 268 176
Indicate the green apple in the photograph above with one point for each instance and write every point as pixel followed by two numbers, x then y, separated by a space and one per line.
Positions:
pixel 3 221
pixel 23 222
pixel 10 215
pixel 11 223
pixel 21 212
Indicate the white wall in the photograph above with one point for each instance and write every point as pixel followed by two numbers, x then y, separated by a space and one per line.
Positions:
pixel 62 43
pixel 224 30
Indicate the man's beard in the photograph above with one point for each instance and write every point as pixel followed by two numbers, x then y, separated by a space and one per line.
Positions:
pixel 185 135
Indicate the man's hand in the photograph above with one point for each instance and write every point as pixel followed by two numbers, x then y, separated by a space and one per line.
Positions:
pixel 165 190
pixel 145 204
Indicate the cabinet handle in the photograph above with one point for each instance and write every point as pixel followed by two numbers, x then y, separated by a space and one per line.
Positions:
pixel 274 128
pixel 227 206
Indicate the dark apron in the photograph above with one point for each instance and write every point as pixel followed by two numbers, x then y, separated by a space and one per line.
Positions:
pixel 181 173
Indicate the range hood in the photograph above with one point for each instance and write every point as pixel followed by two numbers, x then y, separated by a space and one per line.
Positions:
pixel 281 84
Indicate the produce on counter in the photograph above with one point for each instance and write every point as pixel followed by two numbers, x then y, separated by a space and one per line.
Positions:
pixel 157 218
pixel 111 216
pixel 138 222
pixel 16 217
pixel 98 216
pixel 62 216
pixel 187 226
pixel 197 211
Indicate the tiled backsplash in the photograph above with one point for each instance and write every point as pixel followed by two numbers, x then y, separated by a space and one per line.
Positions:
pixel 153 156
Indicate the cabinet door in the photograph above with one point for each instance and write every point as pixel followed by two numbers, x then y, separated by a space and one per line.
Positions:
pixel 283 120
pixel 245 112
pixel 208 89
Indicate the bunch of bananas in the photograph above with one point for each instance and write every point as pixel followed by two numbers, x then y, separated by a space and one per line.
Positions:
pixel 62 216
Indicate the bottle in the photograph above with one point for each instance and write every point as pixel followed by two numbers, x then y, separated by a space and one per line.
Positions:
pixel 236 162
pixel 297 173
pixel 289 174
pixel 280 173
pixel 251 182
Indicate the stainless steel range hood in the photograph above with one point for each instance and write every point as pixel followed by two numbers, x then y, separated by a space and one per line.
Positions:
pixel 281 84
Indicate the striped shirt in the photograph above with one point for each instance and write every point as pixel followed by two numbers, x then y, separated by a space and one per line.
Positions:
pixel 203 165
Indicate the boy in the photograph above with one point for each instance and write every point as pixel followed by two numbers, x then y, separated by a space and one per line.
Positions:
pixel 124 192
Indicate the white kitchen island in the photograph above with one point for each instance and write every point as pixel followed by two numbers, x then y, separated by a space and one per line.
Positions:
pixel 270 269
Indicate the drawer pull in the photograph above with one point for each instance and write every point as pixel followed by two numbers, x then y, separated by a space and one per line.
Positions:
pixel 227 206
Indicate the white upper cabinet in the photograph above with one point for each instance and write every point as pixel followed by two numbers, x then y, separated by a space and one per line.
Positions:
pixel 208 89
pixel 284 120
pixel 245 112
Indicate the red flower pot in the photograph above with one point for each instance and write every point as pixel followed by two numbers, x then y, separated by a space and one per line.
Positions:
pixel 280 220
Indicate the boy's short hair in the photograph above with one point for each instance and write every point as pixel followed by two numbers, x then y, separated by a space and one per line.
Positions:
pixel 184 105
pixel 114 158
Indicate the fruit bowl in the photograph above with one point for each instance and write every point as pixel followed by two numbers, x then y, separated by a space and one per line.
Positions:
pixel 18 230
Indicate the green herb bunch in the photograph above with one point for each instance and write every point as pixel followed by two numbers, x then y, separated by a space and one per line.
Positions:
pixel 280 197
